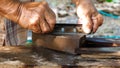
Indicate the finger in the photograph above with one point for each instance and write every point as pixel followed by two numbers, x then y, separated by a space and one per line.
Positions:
pixel 50 18
pixel 98 20
pixel 95 26
pixel 44 26
pixel 86 24
pixel 35 28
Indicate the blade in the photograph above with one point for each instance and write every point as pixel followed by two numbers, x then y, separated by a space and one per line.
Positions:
pixel 101 42
pixel 99 45
pixel 98 50
pixel 67 29
pixel 71 39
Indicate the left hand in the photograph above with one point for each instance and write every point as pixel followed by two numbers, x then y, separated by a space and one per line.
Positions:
pixel 88 16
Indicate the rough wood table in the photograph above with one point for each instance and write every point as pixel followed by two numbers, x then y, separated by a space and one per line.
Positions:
pixel 37 57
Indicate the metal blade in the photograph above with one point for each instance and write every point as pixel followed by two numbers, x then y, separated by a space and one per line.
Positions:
pixel 98 50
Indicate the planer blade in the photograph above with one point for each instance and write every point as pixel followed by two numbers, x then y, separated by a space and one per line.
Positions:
pixel 65 37
pixel 71 39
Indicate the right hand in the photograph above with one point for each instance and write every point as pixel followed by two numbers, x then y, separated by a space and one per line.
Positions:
pixel 88 15
pixel 37 16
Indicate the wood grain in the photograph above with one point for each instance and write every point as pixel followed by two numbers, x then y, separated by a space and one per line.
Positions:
pixel 32 57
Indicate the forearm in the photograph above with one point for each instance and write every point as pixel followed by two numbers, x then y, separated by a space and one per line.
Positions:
pixel 10 9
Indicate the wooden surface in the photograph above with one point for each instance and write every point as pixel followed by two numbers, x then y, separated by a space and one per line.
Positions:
pixel 37 57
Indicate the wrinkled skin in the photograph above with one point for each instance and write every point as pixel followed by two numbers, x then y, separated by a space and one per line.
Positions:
pixel 88 16
pixel 38 17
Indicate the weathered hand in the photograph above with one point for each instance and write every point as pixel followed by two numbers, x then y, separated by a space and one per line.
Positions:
pixel 88 16
pixel 37 16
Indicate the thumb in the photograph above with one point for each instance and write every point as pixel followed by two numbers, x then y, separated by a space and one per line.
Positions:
pixel 87 24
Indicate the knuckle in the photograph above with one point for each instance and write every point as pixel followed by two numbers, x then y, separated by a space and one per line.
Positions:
pixel 32 24
pixel 41 6
pixel 44 3
pixel 45 31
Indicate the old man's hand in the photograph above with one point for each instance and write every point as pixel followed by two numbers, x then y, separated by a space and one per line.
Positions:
pixel 36 16
pixel 88 16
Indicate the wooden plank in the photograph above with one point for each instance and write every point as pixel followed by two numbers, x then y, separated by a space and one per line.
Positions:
pixel 15 49
pixel 22 57
pixel 37 57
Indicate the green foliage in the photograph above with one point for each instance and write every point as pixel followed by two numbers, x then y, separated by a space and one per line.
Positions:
pixel 109 0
